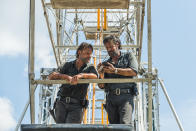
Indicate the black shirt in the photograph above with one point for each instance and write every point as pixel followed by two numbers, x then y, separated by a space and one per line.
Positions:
pixel 78 91
pixel 126 60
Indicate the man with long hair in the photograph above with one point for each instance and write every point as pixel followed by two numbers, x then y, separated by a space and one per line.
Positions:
pixel 71 98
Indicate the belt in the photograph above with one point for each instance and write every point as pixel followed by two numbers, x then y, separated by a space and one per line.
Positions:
pixel 119 91
pixel 68 100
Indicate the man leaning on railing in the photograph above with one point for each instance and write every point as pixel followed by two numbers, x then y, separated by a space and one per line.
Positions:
pixel 119 96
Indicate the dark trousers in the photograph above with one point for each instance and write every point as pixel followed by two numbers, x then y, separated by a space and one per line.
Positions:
pixel 68 113
pixel 119 108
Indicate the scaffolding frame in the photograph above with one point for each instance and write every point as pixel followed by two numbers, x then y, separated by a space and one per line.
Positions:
pixel 145 101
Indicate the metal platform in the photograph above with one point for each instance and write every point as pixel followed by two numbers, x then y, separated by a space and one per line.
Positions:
pixel 90 32
pixel 76 127
pixel 90 4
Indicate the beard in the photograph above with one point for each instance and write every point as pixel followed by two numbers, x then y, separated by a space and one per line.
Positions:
pixel 85 60
pixel 113 53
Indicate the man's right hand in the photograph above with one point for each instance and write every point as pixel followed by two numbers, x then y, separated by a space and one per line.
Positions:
pixel 100 68
pixel 58 76
pixel 101 74
pixel 53 76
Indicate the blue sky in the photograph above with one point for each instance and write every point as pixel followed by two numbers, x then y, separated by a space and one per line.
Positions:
pixel 173 39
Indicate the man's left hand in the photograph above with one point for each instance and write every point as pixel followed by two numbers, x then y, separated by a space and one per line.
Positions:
pixel 75 79
pixel 110 69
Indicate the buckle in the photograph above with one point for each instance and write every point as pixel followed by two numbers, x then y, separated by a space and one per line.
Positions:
pixel 128 91
pixel 67 99
pixel 118 91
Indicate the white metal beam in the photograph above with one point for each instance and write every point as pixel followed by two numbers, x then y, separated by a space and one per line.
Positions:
pixel 92 81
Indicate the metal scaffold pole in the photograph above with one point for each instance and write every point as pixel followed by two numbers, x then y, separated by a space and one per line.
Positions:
pixel 149 65
pixel 171 105
pixel 31 59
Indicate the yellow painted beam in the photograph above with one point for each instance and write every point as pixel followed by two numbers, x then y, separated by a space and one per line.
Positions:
pixel 98 19
pixel 102 115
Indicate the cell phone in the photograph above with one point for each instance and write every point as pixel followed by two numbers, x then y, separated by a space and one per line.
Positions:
pixel 105 64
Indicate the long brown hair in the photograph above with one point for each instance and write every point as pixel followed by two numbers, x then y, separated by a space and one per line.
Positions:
pixel 82 46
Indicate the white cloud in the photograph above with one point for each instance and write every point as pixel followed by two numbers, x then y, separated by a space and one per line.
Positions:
pixel 43 54
pixel 13 28
pixel 12 45
pixel 14 33
pixel 7 122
